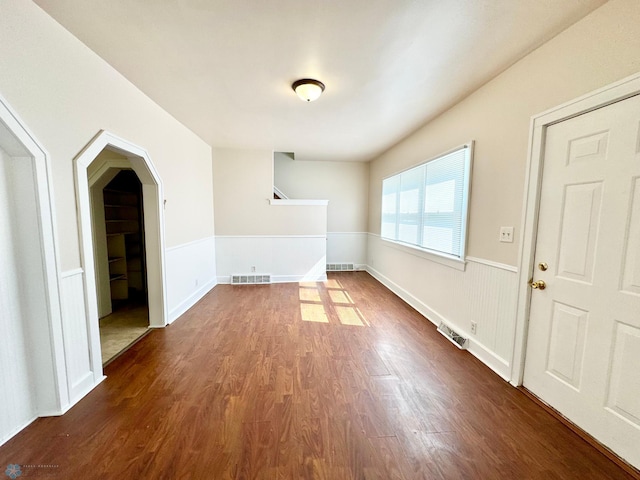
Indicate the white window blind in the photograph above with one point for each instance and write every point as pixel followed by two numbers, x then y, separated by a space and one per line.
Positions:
pixel 426 206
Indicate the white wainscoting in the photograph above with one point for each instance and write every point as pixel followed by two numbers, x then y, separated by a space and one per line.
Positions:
pixel 348 247
pixel 191 273
pixel 288 258
pixel 18 405
pixel 80 374
pixel 17 399
pixel 485 293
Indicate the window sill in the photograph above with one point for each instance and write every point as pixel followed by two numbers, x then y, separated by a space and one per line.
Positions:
pixel 273 201
pixel 441 258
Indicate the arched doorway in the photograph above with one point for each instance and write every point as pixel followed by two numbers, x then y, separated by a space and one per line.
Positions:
pixel 119 252
pixel 136 159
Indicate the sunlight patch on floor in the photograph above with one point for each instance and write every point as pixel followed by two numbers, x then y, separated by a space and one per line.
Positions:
pixel 350 316
pixel 312 307
pixel 313 313
pixel 339 296
pixel 309 295
pixel 332 283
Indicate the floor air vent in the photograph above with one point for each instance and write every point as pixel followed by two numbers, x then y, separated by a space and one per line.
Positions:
pixel 340 267
pixel 250 279
pixel 455 338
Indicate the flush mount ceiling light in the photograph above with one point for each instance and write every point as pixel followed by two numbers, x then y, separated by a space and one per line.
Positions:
pixel 308 89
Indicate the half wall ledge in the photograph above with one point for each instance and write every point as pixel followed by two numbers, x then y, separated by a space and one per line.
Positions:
pixel 273 201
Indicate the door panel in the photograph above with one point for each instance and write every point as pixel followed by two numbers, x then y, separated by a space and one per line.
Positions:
pixel 591 148
pixel 583 351
pixel 566 344
pixel 625 379
pixel 580 220
pixel 631 280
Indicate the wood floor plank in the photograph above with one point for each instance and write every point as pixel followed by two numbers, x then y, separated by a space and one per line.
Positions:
pixel 332 380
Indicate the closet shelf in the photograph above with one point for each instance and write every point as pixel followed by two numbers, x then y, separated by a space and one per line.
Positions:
pixel 125 233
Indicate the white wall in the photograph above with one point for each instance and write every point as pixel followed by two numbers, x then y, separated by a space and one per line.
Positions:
pixel 191 273
pixel 600 49
pixel 243 185
pixel 65 94
pixel 250 232
pixel 348 247
pixel 346 186
pixel 287 258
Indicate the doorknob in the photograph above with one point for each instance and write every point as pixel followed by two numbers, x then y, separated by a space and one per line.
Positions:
pixel 543 266
pixel 539 285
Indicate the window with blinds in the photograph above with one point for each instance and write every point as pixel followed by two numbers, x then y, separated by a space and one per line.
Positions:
pixel 426 206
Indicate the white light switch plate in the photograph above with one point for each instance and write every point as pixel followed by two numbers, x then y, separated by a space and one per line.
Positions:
pixel 506 234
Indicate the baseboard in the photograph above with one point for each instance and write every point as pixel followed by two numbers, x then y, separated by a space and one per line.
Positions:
pixel 431 315
pixel 16 431
pixel 482 353
pixel 298 278
pixel 190 301
pixel 54 413
pixel 83 393
pixel 494 362
pixel 226 279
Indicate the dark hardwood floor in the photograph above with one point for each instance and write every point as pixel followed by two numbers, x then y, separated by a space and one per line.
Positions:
pixel 340 380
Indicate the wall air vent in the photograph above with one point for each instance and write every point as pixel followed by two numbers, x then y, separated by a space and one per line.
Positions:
pixel 250 279
pixel 454 337
pixel 340 267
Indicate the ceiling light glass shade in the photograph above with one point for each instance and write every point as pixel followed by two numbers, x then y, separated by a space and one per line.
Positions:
pixel 308 89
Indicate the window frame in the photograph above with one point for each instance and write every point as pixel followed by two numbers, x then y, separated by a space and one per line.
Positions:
pixel 416 249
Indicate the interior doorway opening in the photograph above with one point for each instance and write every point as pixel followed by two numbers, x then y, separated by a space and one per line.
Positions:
pixel 33 377
pixel 96 166
pixel 119 253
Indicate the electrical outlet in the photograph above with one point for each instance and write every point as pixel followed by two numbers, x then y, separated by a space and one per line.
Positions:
pixel 474 328
pixel 506 234
pixel 253 269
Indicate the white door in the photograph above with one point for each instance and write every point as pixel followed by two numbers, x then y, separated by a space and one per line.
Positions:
pixel 583 350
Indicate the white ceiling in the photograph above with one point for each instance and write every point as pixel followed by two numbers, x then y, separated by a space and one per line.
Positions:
pixel 225 67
